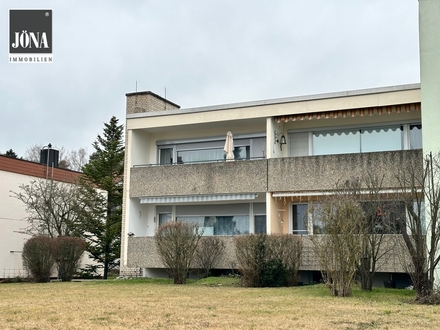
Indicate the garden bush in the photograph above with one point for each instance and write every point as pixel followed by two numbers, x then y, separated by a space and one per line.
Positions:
pixel 268 261
pixel 176 243
pixel 67 252
pixel 38 258
pixel 208 254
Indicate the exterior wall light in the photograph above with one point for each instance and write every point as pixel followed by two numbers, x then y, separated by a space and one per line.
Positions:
pixel 282 141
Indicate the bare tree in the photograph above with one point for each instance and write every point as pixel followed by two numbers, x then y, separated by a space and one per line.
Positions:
pixel 374 229
pixel 33 153
pixel 338 251
pixel 51 207
pixel 78 158
pixel 420 190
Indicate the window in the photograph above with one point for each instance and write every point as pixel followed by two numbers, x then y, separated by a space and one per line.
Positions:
pixel 318 225
pixel 260 224
pixel 357 140
pixel 383 217
pixel 217 219
pixel 219 225
pixel 164 218
pixel 210 155
pixel 336 142
pixel 210 151
pixel 299 219
pixel 415 136
pixel 381 139
pixel 166 156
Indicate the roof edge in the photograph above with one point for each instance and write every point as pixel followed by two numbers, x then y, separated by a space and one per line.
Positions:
pixel 366 91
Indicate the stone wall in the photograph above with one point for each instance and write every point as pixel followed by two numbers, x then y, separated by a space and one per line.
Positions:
pixel 142 253
pixel 297 174
pixel 199 179
pixel 323 172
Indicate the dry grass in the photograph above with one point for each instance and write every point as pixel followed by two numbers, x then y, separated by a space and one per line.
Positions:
pixel 136 304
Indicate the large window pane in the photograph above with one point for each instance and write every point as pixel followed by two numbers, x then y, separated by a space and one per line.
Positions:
pixel 220 225
pixel 202 155
pixel 415 136
pixel 260 224
pixel 384 216
pixel 299 219
pixel 164 218
pixel 336 142
pixel 166 156
pixel 381 139
pixel 242 152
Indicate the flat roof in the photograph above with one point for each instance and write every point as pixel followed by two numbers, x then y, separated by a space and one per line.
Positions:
pixel 322 96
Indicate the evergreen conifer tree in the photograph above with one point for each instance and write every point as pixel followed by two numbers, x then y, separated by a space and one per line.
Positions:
pixel 105 171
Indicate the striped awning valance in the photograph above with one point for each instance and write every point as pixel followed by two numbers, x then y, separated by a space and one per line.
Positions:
pixel 196 198
pixel 350 112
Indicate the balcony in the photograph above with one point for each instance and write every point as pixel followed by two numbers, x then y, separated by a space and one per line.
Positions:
pixel 320 173
pixel 241 176
pixel 290 174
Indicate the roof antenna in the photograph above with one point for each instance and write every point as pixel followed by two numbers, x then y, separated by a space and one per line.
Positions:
pixel 136 96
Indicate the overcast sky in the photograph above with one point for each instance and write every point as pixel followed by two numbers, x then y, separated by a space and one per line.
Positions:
pixel 203 52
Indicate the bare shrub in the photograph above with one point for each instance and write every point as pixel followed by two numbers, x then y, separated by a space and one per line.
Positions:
pixel 338 250
pixel 67 252
pixel 208 254
pixel 268 260
pixel 38 258
pixel 176 243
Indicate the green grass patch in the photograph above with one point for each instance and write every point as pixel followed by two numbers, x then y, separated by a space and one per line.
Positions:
pixel 216 281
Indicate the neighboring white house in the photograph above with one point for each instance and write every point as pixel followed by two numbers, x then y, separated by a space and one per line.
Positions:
pixel 13 173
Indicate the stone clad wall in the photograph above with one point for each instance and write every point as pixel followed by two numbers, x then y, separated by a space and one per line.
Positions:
pixel 314 173
pixel 199 179
pixel 143 254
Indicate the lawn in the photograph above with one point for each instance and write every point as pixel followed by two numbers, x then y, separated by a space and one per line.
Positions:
pixel 213 303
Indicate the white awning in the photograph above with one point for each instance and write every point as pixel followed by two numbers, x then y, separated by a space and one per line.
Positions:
pixel 334 192
pixel 196 198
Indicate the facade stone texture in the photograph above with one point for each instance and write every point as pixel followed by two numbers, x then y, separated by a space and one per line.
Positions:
pixel 290 174
pixel 315 173
pixel 143 254
pixel 199 179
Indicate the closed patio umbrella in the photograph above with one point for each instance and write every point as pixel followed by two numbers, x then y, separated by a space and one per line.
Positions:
pixel 229 146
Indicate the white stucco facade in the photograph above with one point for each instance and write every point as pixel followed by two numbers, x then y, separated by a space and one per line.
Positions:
pixel 13 215
pixel 429 35
pixel 12 223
